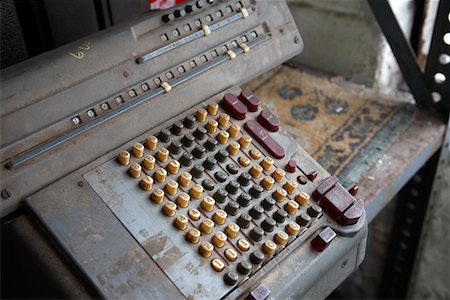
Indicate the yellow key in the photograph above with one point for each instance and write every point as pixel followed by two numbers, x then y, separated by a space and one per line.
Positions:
pixel 269 247
pixel 217 265
pixel 124 158
pixel 183 200
pixel 267 163
pixel 138 150
pixel 280 194
pixel 149 162
pixel 181 222
pixel 206 226
pixel 256 171
pixel 173 167
pixel 244 161
pixel 233 148
pixel 152 142
pixel 255 154
pixel 245 141
pixel 135 170
pixel 302 198
pixel 234 130
pixel 206 249
pixel 201 115
pixel 158 196
pixel 185 179
pixel 278 175
pixel 208 203
pixel 231 254
pixel 211 126
pixel 281 238
pixel 212 108
pixel 194 214
pixel 170 208
pixel 219 239
pixel 146 183
pixel 232 230
pixel 162 155
pixel 291 207
pixel 222 137
pixel 193 236
pixel 223 120
pixel 292 228
pixel 160 175
pixel 243 245
pixel 267 182
pixel 171 187
pixel 290 186
pixel 220 217
pixel 196 191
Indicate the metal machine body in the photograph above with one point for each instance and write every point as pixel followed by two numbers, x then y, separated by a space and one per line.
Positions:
pixel 67 114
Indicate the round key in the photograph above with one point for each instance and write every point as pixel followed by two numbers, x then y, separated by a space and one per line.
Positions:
pixel 233 148
pixel 211 126
pixel 232 230
pixel 256 212
pixel 303 219
pixel 171 187
pixel 233 187
pixel 208 184
pixel 223 120
pixel 206 249
pixel 135 170
pixel 302 179
pixel 244 161
pixel 244 268
pixel 185 179
pixel 278 175
pixel 268 203
pixel 231 278
pixel 160 175
pixel 267 163
pixel 302 198
pixel 197 171
pixel 208 203
pixel 280 194
pixel 269 247
pixel 189 122
pixel 201 115
pixel 244 245
pixel 222 137
pixel 162 155
pixel 149 162
pixel 146 183
pixel 232 168
pixel 217 265
pixel 210 163
pixel 220 195
pixel 176 129
pixel 138 150
pixel 212 108
pixel 256 171
pixel 292 228
pixel 173 167
pixel 183 200
pixel 220 216
pixel 257 257
pixel 199 151
pixel 232 208
pixel 206 226
pixel 193 236
pixel 314 211
pixel 244 199
pixel 291 207
pixel 186 159
pixel 256 191
pixel 211 144
pixel 231 254
pixel 255 154
pixel 268 224
pixel 175 147
pixel 158 196
pixel 245 141
pixel 181 222
pixel 244 179
pixel 234 130
pixel 281 238
pixel 200 133
pixel 124 158
pixel 170 208
pixel 291 166
pixel 290 186
pixel 187 140
pixel 152 142
pixel 164 136
pixel 244 220
pixel 221 176
pixel 221 156
pixel 219 239
pixel 196 191
pixel 194 214
pixel 280 215
pixel 267 183
pixel 256 234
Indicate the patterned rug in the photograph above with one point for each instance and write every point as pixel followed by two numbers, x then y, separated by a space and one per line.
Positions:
pixel 340 124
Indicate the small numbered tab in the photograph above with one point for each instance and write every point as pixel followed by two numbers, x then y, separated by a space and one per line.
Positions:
pixel 146 183
pixel 124 158
pixel 160 175
pixel 232 230
pixel 173 167
pixel 208 203
pixel 183 200
pixel 269 247
pixel 220 217
pixel 234 106
pixel 194 214
pixel 185 179
pixel 158 196
pixel 211 126
pixel 234 130
pixel 135 170
pixel 223 120
pixel 193 236
pixel 217 265
pixel 231 254
pixel 280 194
pixel 291 207
pixel 201 115
pixel 292 228
pixel 181 222
pixel 219 239
pixel 152 142
pixel 149 162
pixel 212 108
pixel 256 171
pixel 244 161
pixel 265 139
pixel 222 137
pixel 302 198
pixel 245 141
pixel 281 238
pixel 278 175
pixel 233 148
pixel 207 226
pixel 196 191
pixel 170 208
pixel 138 150
pixel 267 163
pixel 162 155
pixel 267 183
pixel 255 154
pixel 243 245
pixel 290 186
pixel 206 249
pixel 171 187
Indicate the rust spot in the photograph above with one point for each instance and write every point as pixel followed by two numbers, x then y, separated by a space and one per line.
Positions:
pixel 126 74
